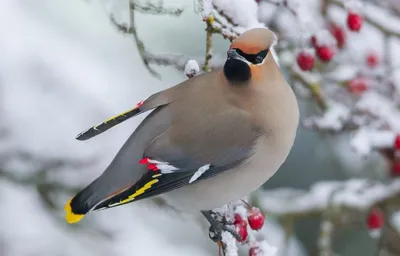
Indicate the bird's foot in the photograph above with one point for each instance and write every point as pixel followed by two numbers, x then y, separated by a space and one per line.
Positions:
pixel 219 224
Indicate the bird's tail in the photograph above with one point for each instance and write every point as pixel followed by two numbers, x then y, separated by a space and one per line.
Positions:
pixel 87 199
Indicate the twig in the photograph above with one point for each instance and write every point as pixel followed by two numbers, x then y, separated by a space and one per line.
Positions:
pixel 314 89
pixel 208 54
pixel 178 60
pixel 327 226
pixel 131 29
pixel 150 8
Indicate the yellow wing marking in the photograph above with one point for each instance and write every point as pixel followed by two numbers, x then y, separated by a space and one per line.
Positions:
pixel 137 193
pixel 121 114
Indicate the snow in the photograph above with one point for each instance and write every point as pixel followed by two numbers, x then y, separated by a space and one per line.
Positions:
pixel 354 193
pixel 325 38
pixel 191 68
pixel 230 242
pixel 332 119
pixel 207 8
pixel 242 211
pixel 395 219
pixel 375 233
pixel 381 108
pixel 242 12
pixel 365 140
pixel 382 17
pixel 354 5
pixel 265 249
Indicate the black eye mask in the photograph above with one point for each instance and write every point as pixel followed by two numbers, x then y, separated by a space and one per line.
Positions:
pixel 253 58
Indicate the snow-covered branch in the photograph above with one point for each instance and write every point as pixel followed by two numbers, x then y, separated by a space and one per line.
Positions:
pixel 351 195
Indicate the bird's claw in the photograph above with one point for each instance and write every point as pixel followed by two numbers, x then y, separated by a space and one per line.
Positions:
pixel 218 225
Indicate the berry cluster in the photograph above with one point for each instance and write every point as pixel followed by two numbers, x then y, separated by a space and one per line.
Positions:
pixel 325 49
pixel 252 218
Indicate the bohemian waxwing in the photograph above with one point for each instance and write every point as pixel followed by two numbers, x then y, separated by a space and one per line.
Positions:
pixel 210 140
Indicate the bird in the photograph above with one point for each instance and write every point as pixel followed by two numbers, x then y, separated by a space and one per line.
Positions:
pixel 208 141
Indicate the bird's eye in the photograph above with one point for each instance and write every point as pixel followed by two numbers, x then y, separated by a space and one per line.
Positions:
pixel 263 53
pixel 254 58
pixel 258 59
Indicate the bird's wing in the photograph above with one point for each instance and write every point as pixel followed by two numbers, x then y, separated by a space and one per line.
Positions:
pixel 186 154
pixel 154 101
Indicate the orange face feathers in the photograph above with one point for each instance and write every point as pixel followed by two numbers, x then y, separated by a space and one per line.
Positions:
pixel 255 40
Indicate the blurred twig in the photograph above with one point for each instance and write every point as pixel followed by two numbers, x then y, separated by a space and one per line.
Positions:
pixel 150 8
pixel 131 29
pixel 38 176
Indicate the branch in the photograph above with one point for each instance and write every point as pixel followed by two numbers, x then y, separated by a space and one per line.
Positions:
pixel 131 29
pixel 352 196
pixel 150 8
pixel 38 176
pixel 314 88
pixel 208 54
pixel 178 60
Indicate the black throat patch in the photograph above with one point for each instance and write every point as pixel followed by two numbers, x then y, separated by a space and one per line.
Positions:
pixel 236 71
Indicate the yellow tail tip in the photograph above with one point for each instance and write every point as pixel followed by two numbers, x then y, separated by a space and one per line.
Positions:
pixel 71 217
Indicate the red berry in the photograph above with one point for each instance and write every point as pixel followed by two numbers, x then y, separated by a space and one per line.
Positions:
pixel 239 220
pixel 395 170
pixel 375 219
pixel 354 21
pixel 372 59
pixel 339 34
pixel 256 219
pixel 325 53
pixel 305 60
pixel 358 85
pixel 397 142
pixel 254 251
pixel 242 231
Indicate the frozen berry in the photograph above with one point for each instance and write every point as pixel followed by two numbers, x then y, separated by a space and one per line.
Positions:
pixel 254 251
pixel 354 21
pixel 255 219
pixel 242 231
pixel 305 60
pixel 372 59
pixel 239 220
pixel 397 142
pixel 375 219
pixel 339 34
pixel 325 53
pixel 395 170
pixel 358 85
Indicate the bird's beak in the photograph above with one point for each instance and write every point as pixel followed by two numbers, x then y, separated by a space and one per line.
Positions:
pixel 233 54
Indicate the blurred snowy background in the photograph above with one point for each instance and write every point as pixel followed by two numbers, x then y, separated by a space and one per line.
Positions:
pixel 64 67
